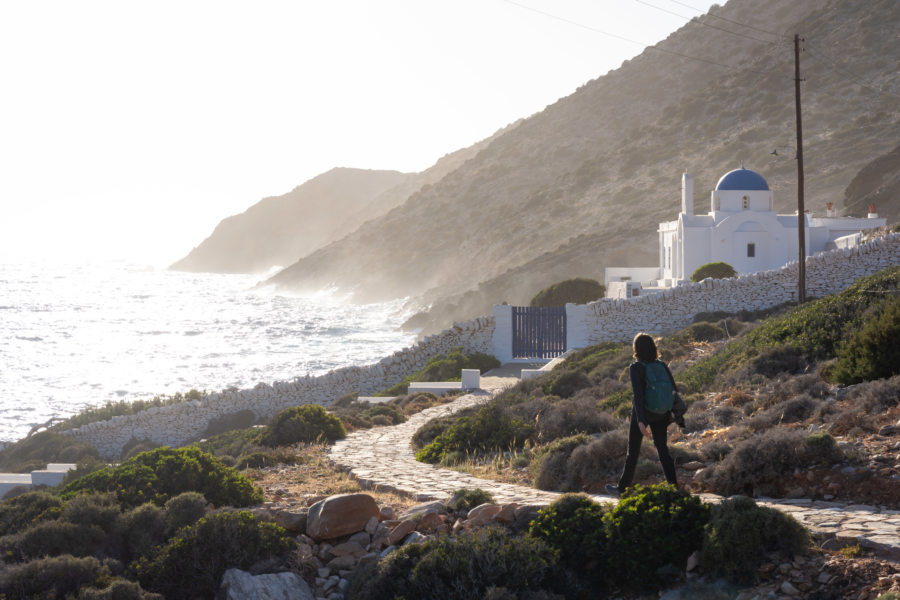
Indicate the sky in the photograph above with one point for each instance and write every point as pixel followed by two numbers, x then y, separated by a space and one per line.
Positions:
pixel 129 129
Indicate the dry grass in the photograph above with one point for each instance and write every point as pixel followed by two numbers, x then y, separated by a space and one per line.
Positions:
pixel 315 476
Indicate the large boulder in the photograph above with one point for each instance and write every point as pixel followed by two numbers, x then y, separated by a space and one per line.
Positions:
pixel 340 515
pixel 240 585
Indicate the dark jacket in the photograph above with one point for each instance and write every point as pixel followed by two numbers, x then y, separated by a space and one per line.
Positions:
pixel 638 373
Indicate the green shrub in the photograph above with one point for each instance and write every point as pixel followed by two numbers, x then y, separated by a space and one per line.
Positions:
pixel 468 498
pixel 649 529
pixel 394 415
pixel 163 473
pixel 489 428
pixel 184 509
pixel 34 452
pixel 231 443
pixel 741 535
pixel 872 352
pixel 241 419
pixel 134 447
pixel 578 290
pixel 143 529
pixel 256 460
pixel 716 270
pixel 548 466
pixel 53 577
pixel 463 568
pixel 101 509
pixel 565 384
pixel 306 423
pixel 26 510
pixel 758 465
pixel 428 432
pixel 53 538
pixel 701 332
pixel 192 564
pixel 445 368
pixel 573 524
pixel 119 589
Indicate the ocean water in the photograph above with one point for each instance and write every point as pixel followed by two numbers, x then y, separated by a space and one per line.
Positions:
pixel 74 336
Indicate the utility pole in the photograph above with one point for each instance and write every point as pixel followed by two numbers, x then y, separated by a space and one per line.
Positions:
pixel 801 213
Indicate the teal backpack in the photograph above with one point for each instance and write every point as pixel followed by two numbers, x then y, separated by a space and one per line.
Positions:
pixel 659 394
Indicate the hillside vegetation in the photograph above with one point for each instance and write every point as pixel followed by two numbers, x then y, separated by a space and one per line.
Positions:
pixel 583 184
pixel 769 409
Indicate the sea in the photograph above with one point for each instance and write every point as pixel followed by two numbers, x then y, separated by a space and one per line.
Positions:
pixel 78 336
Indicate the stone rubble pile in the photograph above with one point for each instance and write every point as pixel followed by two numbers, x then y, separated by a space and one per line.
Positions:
pixel 338 534
pixel 177 424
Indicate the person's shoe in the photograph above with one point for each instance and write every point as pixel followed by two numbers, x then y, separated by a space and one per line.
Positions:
pixel 612 490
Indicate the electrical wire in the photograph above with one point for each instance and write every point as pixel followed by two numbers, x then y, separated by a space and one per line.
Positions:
pixel 710 25
pixel 821 56
pixel 619 37
pixel 732 21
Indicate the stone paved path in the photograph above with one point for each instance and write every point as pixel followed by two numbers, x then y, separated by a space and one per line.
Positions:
pixel 382 458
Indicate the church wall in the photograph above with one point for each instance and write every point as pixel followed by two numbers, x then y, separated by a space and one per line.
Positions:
pixel 673 309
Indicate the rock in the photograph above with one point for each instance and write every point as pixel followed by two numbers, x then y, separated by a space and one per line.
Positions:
pixel 430 522
pixel 795 493
pixel 372 525
pixel 362 538
pixel 340 515
pixel 788 588
pixel 343 562
pixel 693 561
pixel 240 585
pixel 401 531
pixel 414 538
pixel 293 521
pixel 387 513
pixel 889 430
pixel 507 514
pixel 694 465
pixel 349 549
pixel 482 515
pixel 427 507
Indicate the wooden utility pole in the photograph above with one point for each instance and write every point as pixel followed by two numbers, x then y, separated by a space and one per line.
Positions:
pixel 801 213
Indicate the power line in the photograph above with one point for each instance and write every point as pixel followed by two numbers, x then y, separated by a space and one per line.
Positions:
pixel 694 19
pixel 619 37
pixel 721 18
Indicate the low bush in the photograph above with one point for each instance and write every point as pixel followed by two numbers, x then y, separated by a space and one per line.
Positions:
pixel 700 332
pixel 445 368
pixel 460 568
pixel 758 465
pixel 134 447
pixel 119 589
pixel 34 452
pixel 428 432
pixel 566 383
pixel 650 529
pixel 489 428
pixel 53 577
pixel 794 410
pixel 241 419
pixel 872 352
pixel 468 498
pixel 305 423
pixel 53 538
pixel 568 417
pixel 143 529
pixel 741 535
pixel 578 290
pixel 600 459
pixel 184 509
pixel 716 270
pixel 161 474
pixel 573 524
pixel 93 508
pixel 192 564
pixel 548 467
pixel 26 510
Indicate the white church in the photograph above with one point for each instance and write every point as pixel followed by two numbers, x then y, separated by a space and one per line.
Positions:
pixel 741 229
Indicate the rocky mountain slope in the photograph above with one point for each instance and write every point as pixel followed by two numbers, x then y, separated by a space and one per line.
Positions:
pixel 877 183
pixel 583 184
pixel 279 230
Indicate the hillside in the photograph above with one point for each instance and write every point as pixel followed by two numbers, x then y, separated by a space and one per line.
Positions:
pixel 583 184
pixel 281 229
pixel 877 183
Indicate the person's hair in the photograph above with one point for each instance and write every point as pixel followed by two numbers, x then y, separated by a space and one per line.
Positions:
pixel 645 348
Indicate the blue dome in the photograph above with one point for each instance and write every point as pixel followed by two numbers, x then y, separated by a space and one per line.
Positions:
pixel 743 180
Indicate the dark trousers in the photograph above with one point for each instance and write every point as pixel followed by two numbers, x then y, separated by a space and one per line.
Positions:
pixel 660 437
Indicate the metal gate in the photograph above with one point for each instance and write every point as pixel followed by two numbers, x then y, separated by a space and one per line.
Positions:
pixel 538 332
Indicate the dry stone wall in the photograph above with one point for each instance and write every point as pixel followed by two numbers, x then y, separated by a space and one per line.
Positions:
pixel 177 424
pixel 826 273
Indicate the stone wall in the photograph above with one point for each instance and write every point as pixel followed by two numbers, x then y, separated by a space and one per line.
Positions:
pixel 826 273
pixel 177 424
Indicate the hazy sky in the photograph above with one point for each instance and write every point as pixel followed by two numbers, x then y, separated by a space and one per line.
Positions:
pixel 129 129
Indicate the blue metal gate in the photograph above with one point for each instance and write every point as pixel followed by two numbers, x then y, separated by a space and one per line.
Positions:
pixel 538 332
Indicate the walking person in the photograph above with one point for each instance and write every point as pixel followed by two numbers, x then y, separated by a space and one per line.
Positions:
pixel 653 395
